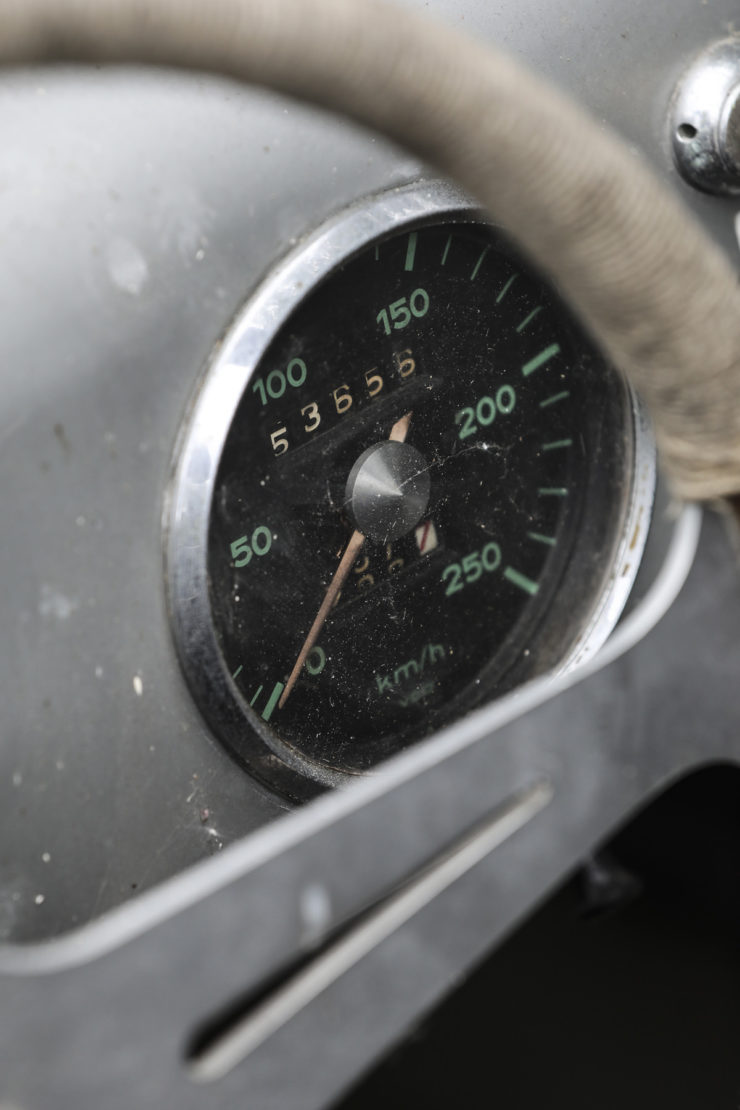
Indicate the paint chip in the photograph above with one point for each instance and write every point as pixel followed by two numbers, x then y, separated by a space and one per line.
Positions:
pixel 426 537
pixel 127 266
pixel 138 685
pixel 316 912
pixel 54 604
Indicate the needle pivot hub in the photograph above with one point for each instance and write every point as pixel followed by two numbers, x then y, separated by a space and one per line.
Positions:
pixel 388 490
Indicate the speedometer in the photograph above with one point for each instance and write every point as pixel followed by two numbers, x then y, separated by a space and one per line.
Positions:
pixel 410 483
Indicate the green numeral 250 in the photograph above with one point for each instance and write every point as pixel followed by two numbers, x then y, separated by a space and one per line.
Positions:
pixel 471 568
pixel 242 551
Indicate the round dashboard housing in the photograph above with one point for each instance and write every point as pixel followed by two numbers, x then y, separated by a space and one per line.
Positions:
pixel 408 484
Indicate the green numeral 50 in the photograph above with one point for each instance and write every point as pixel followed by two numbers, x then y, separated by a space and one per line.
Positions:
pixel 242 550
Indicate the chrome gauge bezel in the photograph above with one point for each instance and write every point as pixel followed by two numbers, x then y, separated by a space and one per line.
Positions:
pixel 202 441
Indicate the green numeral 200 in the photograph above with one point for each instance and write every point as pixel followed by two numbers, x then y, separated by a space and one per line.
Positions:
pixel 485 411
pixel 242 550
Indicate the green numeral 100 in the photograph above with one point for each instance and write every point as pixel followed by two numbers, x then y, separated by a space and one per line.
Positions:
pixel 485 411
pixel 277 382
pixel 242 550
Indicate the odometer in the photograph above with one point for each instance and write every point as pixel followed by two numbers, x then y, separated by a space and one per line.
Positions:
pixel 418 496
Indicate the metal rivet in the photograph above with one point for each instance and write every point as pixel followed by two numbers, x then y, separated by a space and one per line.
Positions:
pixel 705 120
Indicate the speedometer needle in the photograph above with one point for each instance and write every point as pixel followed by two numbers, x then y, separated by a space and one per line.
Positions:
pixel 400 429
pixel 398 433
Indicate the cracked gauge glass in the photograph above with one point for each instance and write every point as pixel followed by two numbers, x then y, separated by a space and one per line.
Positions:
pixel 409 485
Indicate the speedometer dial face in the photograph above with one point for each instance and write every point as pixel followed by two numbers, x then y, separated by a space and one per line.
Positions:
pixel 418 502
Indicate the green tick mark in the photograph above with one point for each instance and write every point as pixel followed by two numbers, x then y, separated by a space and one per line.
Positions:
pixel 411 251
pixel 554 399
pixel 274 696
pixel 540 359
pixel 446 251
pixel 528 319
pixel 506 288
pixel 479 263
pixel 521 581
pixel 557 443
pixel 539 538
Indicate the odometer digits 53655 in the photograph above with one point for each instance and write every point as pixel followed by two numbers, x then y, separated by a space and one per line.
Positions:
pixel 406 488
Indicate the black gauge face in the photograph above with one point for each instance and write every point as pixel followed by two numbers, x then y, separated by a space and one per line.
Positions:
pixel 418 500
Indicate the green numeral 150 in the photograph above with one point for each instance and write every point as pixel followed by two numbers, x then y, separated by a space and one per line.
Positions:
pixel 398 315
